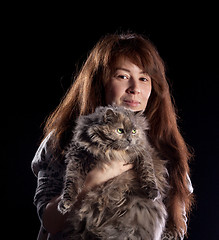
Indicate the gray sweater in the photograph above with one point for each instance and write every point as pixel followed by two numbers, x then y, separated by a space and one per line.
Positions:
pixel 50 182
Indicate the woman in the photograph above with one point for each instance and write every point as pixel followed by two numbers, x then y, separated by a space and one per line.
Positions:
pixel 127 70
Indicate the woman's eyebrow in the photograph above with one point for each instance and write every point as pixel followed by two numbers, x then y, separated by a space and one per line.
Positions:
pixel 127 70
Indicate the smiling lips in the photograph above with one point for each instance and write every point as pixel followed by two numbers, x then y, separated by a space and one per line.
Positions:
pixel 132 103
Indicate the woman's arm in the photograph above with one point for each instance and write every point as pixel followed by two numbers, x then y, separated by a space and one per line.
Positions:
pixel 54 221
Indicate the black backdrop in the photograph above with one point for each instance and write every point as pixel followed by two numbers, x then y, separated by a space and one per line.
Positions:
pixel 43 48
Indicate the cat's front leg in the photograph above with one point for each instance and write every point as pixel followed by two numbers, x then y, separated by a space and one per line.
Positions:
pixel 145 169
pixel 72 187
pixel 66 203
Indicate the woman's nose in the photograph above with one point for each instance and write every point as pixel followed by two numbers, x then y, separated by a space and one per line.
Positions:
pixel 133 87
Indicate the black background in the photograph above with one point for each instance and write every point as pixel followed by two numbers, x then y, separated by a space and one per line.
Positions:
pixel 44 46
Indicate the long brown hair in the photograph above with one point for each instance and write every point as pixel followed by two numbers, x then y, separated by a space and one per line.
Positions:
pixel 87 92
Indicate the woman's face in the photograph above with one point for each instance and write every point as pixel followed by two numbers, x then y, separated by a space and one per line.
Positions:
pixel 128 86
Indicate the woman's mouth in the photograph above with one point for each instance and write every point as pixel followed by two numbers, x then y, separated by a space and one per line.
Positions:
pixel 132 103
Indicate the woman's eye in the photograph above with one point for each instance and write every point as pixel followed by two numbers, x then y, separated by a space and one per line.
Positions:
pixel 134 131
pixel 144 79
pixel 120 130
pixel 122 77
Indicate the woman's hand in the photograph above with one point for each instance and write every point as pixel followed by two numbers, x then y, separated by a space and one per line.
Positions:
pixel 98 176
pixel 53 220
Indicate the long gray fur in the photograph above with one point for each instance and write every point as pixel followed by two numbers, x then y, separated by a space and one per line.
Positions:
pixel 129 206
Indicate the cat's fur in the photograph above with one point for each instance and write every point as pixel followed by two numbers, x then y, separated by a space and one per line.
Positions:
pixel 129 206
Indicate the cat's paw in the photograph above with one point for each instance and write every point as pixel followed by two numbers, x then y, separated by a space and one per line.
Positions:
pixel 153 194
pixel 65 206
pixel 168 236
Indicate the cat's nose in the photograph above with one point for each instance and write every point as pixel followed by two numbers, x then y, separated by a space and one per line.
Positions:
pixel 129 139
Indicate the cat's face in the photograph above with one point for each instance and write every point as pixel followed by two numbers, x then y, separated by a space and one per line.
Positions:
pixel 117 131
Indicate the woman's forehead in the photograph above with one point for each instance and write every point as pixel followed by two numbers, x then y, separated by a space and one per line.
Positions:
pixel 125 62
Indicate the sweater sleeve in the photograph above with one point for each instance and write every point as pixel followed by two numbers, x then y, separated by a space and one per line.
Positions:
pixel 49 173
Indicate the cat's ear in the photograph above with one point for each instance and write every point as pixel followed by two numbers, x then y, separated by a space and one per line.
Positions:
pixel 109 115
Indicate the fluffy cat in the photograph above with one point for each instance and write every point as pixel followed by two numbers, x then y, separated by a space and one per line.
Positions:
pixel 129 206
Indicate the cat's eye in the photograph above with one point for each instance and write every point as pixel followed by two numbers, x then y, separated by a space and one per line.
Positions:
pixel 120 130
pixel 134 131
